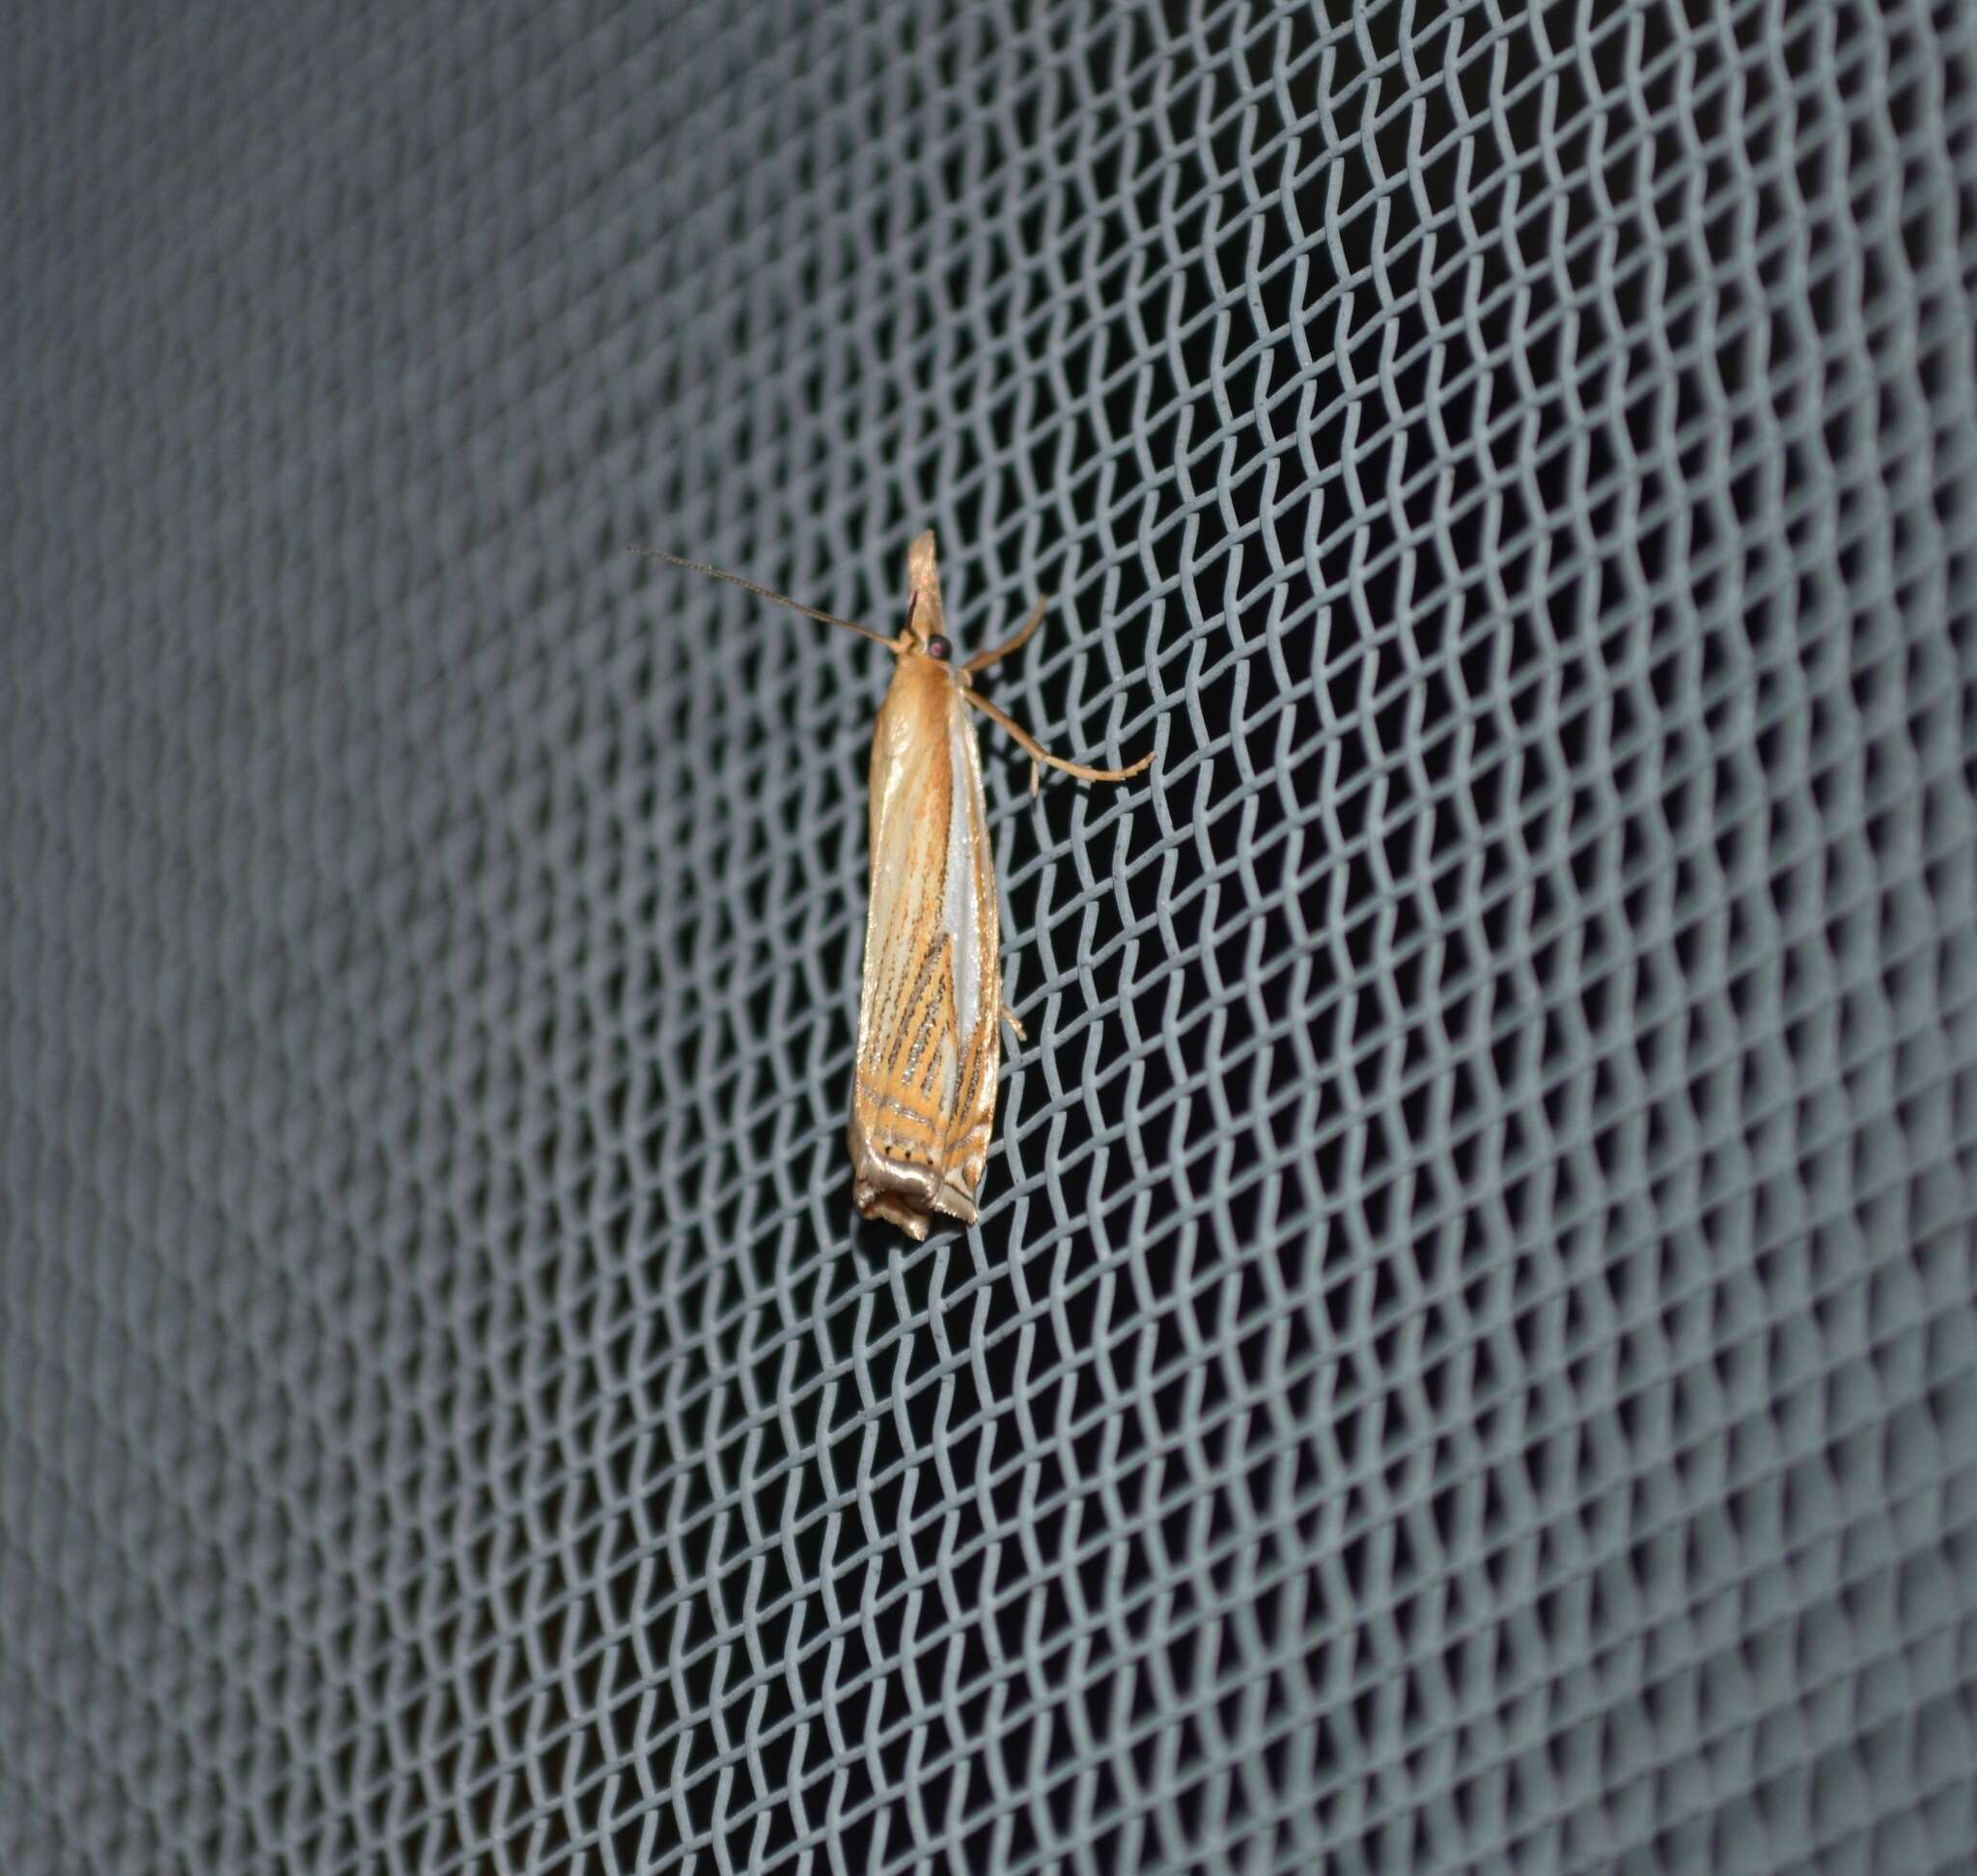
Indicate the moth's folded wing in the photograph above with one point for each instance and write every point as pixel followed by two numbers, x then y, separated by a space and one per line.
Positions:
pixel 908 1054
pixel 973 924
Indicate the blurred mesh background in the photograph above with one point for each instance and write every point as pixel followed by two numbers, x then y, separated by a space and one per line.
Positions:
pixel 1469 1356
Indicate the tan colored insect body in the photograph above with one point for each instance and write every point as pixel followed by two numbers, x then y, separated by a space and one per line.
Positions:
pixel 923 1097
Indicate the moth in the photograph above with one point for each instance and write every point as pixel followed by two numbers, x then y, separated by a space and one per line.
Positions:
pixel 923 1096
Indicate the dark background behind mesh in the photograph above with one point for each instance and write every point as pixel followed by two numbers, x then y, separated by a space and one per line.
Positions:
pixel 1468 1357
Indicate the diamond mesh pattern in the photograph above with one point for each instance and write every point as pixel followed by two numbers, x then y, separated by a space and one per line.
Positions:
pixel 1469 1356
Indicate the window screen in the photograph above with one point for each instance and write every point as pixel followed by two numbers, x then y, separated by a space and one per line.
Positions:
pixel 1468 1360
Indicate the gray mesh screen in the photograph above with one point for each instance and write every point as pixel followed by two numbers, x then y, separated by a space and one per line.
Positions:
pixel 1468 1357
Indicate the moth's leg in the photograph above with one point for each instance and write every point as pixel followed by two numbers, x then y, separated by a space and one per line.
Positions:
pixel 1039 754
pixel 1009 1015
pixel 982 660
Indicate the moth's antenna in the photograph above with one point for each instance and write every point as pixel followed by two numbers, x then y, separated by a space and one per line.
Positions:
pixel 768 593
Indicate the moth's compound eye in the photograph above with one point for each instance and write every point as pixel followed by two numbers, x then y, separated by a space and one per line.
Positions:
pixel 939 648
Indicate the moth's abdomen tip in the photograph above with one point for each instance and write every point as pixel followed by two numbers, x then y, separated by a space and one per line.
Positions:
pixel 890 1207
pixel 921 561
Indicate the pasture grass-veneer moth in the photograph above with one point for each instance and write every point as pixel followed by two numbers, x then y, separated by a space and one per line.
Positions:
pixel 923 1099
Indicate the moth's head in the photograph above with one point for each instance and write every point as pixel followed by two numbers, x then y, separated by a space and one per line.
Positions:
pixel 925 619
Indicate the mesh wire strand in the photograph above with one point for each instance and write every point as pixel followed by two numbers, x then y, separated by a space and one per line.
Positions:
pixel 1468 1357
